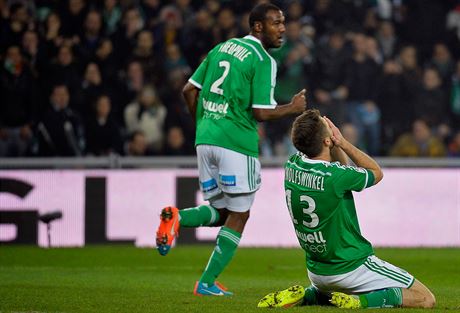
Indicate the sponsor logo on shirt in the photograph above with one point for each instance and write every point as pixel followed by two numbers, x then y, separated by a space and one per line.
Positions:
pixel 314 242
pixel 214 110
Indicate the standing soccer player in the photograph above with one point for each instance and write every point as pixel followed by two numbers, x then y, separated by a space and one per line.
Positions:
pixel 341 263
pixel 230 91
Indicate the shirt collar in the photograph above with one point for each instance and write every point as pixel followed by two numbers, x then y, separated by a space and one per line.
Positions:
pixel 251 37
pixel 311 161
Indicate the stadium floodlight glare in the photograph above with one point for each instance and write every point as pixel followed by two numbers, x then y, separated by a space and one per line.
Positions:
pixel 47 218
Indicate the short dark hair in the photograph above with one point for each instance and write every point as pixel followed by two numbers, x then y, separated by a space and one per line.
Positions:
pixel 259 13
pixel 308 133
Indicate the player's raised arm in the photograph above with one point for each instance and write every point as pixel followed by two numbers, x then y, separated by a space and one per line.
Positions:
pixel 296 106
pixel 360 158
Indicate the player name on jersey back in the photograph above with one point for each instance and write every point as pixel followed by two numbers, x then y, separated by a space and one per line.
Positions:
pixel 304 179
pixel 235 50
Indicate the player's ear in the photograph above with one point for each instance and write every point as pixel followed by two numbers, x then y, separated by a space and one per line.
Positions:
pixel 258 27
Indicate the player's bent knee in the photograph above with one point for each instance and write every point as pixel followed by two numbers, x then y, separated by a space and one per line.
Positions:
pixel 418 296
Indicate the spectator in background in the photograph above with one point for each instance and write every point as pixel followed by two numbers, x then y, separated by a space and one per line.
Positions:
pixel 132 82
pixel 175 60
pixel 387 39
pixel 73 17
pixel 103 135
pixel 177 111
pixel 453 149
pixel 91 87
pixel 176 144
pixel 243 24
pixel 124 39
pixel 370 22
pixel 391 95
pixel 18 107
pixel 150 60
pixel 107 61
pixel 111 14
pixel 197 39
pixel 329 77
pixel 294 11
pixel 183 6
pixel 419 143
pixel 350 133
pixel 212 6
pixel 442 61
pixel 53 33
pixel 430 100
pixel 225 27
pixel 137 145
pixel 60 131
pixel 412 78
pixel 32 52
pixel 14 27
pixel 148 115
pixel 373 51
pixel 91 38
pixel 64 70
pixel 360 80
pixel 169 26
pixel 150 11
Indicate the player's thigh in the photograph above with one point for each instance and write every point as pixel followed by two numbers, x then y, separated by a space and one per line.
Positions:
pixel 374 274
pixel 208 173
pixel 418 296
pixel 238 173
pixel 238 206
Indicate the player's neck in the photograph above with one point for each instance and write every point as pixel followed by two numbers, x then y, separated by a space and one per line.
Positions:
pixel 258 36
pixel 325 155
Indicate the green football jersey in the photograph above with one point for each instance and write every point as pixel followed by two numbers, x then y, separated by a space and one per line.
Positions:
pixel 320 200
pixel 236 76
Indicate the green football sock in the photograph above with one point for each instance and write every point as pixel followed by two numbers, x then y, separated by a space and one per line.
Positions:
pixel 385 298
pixel 313 297
pixel 202 215
pixel 227 242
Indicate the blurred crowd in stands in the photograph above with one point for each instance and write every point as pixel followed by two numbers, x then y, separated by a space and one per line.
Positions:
pixel 100 77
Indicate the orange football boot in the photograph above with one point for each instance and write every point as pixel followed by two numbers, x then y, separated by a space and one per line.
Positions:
pixel 168 229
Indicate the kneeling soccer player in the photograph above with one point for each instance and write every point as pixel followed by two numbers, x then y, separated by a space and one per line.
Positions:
pixel 341 263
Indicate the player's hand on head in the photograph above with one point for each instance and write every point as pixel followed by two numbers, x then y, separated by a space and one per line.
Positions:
pixel 299 102
pixel 337 136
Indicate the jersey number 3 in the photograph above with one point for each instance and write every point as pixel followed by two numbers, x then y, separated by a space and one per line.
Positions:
pixel 215 87
pixel 308 210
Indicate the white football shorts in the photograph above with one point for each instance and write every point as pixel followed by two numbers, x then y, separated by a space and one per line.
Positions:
pixel 374 274
pixel 228 179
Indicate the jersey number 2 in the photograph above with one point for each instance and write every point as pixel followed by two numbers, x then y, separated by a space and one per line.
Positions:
pixel 311 206
pixel 215 87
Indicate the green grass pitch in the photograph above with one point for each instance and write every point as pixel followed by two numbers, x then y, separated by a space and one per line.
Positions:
pixel 128 279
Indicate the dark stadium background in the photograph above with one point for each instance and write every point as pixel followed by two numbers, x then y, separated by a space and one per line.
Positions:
pixel 131 58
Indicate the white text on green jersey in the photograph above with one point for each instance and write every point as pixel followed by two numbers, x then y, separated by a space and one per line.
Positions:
pixel 304 179
pixel 235 50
